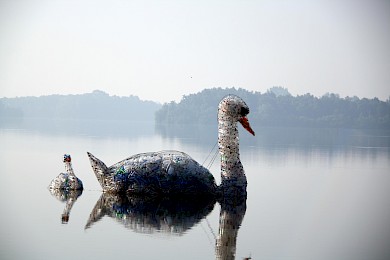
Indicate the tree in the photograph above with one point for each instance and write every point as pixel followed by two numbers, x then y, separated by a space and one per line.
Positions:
pixel 279 91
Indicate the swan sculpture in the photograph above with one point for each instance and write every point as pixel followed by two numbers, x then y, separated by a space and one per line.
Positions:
pixel 176 173
pixel 66 180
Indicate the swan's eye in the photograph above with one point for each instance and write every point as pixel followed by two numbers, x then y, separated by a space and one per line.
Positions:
pixel 244 111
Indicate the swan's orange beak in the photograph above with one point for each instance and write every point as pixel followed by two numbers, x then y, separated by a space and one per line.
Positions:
pixel 245 123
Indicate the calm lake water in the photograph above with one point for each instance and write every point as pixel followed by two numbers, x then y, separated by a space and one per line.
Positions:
pixel 312 194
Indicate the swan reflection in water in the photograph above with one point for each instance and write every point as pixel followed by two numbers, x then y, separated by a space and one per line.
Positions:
pixel 173 216
pixel 148 215
pixel 166 215
pixel 230 218
pixel 69 197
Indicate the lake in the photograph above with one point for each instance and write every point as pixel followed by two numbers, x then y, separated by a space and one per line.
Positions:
pixel 312 194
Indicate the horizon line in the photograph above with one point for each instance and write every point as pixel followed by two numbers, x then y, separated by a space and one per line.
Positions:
pixel 158 102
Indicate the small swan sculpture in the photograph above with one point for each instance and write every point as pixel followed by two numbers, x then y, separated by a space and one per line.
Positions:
pixel 176 173
pixel 66 180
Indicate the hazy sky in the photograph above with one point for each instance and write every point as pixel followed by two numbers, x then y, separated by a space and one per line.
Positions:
pixel 161 50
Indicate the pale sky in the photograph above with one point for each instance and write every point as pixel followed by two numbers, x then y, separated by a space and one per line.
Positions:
pixel 162 50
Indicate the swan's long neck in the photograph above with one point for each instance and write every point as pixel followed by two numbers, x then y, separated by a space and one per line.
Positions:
pixel 69 168
pixel 68 207
pixel 232 171
pixel 228 148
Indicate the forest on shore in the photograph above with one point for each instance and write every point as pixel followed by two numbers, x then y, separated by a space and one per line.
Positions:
pixel 96 105
pixel 277 107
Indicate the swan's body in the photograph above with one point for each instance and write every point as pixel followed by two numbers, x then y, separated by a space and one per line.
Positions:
pixel 66 180
pixel 164 172
pixel 173 172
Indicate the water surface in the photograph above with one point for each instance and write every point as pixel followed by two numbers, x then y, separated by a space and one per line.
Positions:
pixel 312 194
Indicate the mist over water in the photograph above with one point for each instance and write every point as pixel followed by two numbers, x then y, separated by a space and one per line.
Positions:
pixel 312 193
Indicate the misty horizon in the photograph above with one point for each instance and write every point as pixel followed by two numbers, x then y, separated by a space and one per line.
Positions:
pixel 193 93
pixel 276 107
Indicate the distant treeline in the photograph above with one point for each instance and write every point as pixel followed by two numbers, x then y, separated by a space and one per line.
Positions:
pixel 95 105
pixel 277 107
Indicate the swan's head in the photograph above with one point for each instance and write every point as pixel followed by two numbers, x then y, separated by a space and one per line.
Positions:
pixel 67 158
pixel 232 108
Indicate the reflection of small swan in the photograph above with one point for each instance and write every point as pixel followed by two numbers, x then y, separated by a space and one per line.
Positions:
pixel 149 215
pixel 67 180
pixel 68 196
pixel 173 172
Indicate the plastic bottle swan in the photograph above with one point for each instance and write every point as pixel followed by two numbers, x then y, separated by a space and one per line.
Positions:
pixel 173 172
pixel 67 180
